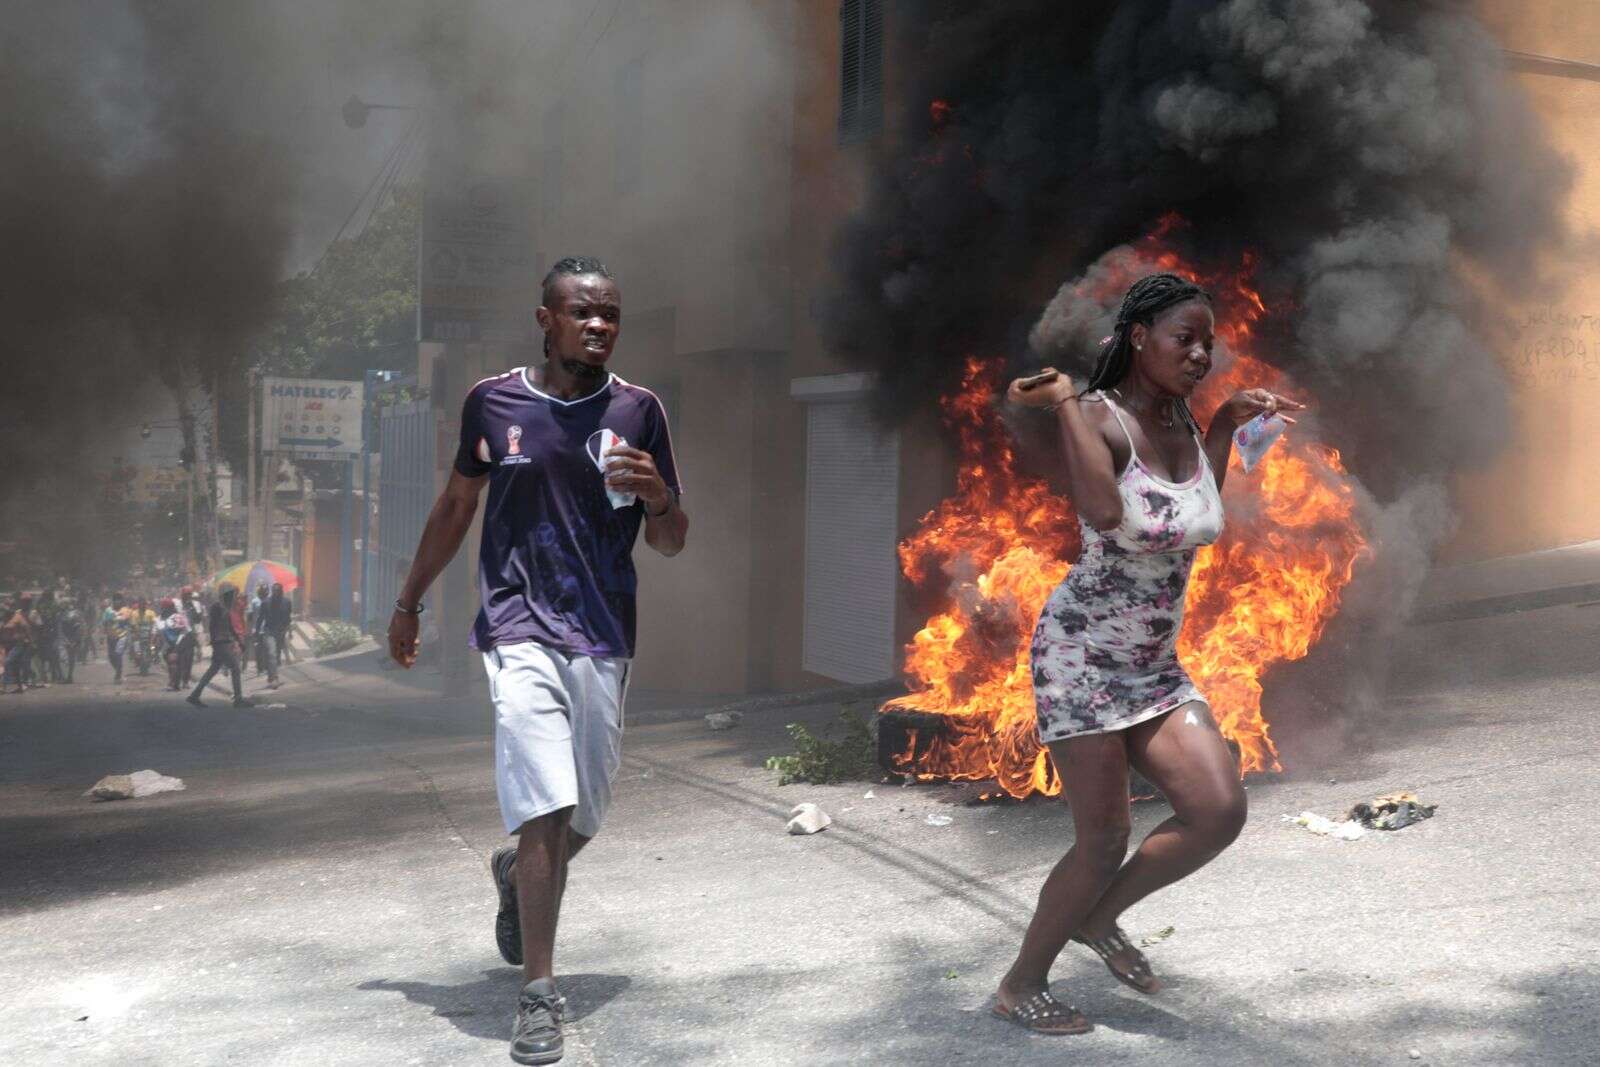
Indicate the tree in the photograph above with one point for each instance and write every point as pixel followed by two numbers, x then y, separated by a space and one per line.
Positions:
pixel 354 311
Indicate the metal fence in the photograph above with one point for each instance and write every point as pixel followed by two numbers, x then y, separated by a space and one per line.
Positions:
pixel 405 495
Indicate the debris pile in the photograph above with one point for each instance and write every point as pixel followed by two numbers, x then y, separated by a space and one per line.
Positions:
pixel 1391 811
pixel 1323 826
pixel 131 786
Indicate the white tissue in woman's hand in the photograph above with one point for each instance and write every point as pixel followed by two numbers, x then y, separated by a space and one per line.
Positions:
pixel 1256 436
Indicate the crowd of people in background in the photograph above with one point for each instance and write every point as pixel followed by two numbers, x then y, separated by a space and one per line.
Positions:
pixel 45 635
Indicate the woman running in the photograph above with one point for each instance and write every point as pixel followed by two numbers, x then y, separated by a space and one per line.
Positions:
pixel 1108 686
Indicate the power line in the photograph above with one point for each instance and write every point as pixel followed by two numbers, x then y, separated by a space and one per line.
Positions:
pixel 387 160
pixel 593 44
pixel 408 144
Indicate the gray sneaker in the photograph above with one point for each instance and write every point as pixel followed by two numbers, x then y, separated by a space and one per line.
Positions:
pixel 508 921
pixel 536 1036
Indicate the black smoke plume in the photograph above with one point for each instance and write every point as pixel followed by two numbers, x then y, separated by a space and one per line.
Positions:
pixel 143 202
pixel 167 163
pixel 1372 156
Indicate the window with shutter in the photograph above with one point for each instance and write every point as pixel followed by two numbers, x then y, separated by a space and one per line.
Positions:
pixel 860 69
pixel 852 495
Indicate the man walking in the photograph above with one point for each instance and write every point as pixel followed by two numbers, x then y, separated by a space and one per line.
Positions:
pixel 17 636
pixel 117 623
pixel 71 638
pixel 279 617
pixel 556 579
pixel 144 632
pixel 260 639
pixel 225 642
pixel 48 653
pixel 191 639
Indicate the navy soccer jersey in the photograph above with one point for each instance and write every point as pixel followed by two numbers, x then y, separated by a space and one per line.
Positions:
pixel 556 561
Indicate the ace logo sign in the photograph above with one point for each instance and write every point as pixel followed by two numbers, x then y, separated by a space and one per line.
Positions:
pixel 312 418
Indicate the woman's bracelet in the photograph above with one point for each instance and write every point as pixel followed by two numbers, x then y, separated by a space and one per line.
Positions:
pixel 402 609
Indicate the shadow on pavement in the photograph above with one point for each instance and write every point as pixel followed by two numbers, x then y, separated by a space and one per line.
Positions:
pixel 1550 1025
pixel 54 857
pixel 484 1006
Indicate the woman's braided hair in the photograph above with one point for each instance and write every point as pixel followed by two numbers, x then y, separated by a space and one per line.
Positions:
pixel 1146 298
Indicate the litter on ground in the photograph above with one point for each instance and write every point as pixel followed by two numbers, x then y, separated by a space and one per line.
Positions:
pixel 132 786
pixel 1392 811
pixel 808 819
pixel 1323 826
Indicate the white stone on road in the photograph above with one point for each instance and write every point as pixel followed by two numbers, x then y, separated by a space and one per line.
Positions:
pixel 808 819
pixel 132 786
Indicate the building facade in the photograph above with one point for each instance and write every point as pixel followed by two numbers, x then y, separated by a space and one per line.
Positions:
pixel 708 159
pixel 797 498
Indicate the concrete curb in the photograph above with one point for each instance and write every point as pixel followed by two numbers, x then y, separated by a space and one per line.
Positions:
pixel 771 702
pixel 328 670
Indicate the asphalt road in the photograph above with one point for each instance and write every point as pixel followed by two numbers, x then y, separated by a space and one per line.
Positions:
pixel 318 895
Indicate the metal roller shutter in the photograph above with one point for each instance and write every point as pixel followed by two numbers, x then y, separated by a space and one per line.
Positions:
pixel 852 494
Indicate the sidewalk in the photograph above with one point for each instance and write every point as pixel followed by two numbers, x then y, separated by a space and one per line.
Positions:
pixel 1532 580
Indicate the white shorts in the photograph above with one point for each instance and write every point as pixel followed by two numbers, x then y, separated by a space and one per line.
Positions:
pixel 557 732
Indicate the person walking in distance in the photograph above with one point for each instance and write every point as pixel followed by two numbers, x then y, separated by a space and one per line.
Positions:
pixel 87 616
pixel 143 637
pixel 48 654
pixel 190 606
pixel 280 615
pixel 254 619
pixel 71 639
pixel 226 639
pixel 17 637
pixel 260 638
pixel 116 623
pixel 172 627
pixel 556 577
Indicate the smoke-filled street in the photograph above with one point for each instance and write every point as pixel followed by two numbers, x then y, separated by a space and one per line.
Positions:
pixel 318 893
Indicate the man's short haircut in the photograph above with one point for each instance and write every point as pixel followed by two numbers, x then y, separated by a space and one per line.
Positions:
pixel 571 266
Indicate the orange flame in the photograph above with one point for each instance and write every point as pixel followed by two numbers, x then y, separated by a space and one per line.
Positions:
pixel 1260 596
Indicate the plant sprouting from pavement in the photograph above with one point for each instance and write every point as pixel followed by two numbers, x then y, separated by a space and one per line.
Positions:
pixel 822 760
pixel 335 637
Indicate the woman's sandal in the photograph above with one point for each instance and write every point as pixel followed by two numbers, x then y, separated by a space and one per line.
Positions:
pixel 1044 1014
pixel 1138 976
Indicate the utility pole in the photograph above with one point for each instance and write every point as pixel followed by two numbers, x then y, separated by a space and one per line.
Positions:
pixel 346 533
pixel 190 566
pixel 269 488
pixel 213 459
pixel 368 406
pixel 252 542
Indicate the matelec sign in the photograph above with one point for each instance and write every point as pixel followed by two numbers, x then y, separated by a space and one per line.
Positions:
pixel 311 418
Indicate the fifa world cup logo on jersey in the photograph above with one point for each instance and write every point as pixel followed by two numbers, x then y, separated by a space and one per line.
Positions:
pixel 514 441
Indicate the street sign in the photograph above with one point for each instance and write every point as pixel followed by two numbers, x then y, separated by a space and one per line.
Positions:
pixel 311 418
pixel 476 271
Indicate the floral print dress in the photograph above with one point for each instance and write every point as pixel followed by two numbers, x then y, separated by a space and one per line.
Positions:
pixel 1105 650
